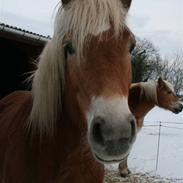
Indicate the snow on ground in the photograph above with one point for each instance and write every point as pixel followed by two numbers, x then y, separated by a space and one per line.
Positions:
pixel 143 156
pixel 139 177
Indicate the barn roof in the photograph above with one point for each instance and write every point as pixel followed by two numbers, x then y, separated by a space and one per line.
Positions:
pixel 21 35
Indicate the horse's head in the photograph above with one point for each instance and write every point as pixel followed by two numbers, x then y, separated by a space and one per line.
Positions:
pixel 98 72
pixel 167 97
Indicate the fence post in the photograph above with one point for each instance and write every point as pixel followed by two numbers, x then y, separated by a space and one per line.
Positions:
pixel 159 135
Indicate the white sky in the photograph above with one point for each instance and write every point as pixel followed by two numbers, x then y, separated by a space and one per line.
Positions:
pixel 161 21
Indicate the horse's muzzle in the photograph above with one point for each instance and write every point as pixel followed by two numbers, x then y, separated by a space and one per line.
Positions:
pixel 112 140
pixel 178 109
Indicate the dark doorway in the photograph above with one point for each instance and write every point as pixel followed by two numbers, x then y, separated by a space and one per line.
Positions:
pixel 16 61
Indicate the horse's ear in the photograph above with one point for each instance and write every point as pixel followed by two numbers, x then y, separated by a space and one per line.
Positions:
pixel 126 3
pixel 64 2
pixel 160 81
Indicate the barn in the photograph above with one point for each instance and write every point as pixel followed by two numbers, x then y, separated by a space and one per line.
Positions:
pixel 19 50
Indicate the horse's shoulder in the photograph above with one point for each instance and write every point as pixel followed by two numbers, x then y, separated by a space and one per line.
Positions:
pixel 14 112
pixel 17 97
pixel 16 105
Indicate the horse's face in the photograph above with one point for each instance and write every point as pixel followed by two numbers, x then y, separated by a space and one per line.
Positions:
pixel 101 83
pixel 167 98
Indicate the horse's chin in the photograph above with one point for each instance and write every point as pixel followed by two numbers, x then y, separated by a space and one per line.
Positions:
pixel 177 108
pixel 176 111
pixel 110 161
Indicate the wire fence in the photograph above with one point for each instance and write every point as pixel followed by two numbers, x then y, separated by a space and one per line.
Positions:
pixel 160 125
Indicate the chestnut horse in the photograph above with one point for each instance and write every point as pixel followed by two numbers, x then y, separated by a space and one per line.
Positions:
pixel 145 96
pixel 76 117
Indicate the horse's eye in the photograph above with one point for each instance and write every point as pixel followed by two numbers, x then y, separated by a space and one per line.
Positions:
pixel 69 49
pixel 169 92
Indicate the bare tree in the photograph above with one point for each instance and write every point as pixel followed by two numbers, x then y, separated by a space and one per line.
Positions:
pixel 144 56
pixel 148 65
pixel 174 71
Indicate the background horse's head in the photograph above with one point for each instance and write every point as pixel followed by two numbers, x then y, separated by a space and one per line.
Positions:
pixel 167 97
pixel 86 69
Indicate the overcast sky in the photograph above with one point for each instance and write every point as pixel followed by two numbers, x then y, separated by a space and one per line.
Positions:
pixel 161 21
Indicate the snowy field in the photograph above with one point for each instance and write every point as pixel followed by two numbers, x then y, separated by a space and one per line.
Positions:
pixel 143 157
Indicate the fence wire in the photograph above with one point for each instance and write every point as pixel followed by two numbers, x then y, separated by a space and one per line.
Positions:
pixel 162 124
pixel 167 122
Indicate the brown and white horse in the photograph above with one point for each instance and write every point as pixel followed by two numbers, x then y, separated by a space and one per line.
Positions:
pixel 145 96
pixel 76 117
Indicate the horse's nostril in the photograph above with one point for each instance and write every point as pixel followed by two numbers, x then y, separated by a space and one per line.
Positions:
pixel 124 140
pixel 178 109
pixel 97 133
pixel 181 107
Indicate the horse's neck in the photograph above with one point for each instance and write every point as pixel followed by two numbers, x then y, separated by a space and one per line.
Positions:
pixel 75 149
pixel 140 111
pixel 65 157
pixel 143 107
pixel 67 151
pixel 76 153
pixel 78 164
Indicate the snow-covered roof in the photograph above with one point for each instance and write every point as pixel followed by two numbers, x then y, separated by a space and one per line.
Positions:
pixel 19 34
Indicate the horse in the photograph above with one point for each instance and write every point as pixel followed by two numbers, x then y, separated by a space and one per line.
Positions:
pixel 143 97
pixel 76 117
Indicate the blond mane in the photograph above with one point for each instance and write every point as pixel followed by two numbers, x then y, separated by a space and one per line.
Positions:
pixel 76 20
pixel 82 18
pixel 169 85
pixel 149 90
